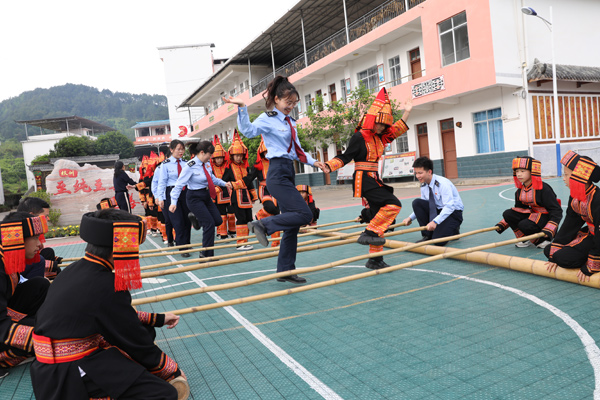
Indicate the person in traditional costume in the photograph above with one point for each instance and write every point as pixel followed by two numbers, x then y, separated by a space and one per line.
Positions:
pixel 89 341
pixel 269 203
pixel 440 208
pixel 164 224
pixel 46 262
pixel 278 130
pixel 574 246
pixel 220 162
pixel 306 193
pixel 122 183
pixel 536 207
pixel 366 147
pixel 20 298
pixel 197 176
pixel 244 194
pixel 144 188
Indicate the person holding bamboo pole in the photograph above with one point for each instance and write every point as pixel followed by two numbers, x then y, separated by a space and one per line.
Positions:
pixel 89 341
pixel 536 207
pixel 575 247
pixel 283 147
pixel 366 147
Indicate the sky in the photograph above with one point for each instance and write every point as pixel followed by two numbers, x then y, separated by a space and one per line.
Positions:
pixel 113 44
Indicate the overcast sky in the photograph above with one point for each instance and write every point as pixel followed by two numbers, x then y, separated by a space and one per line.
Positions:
pixel 111 44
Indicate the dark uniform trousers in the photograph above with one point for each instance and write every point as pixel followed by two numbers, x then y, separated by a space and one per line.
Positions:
pixel 207 214
pixel 179 219
pixel 450 226
pixel 574 256
pixel 294 211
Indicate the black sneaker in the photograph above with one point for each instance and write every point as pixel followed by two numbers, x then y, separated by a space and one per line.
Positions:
pixel 185 255
pixel 194 221
pixel 292 278
pixel 423 239
pixel 376 264
pixel 4 372
pixel 259 230
pixel 366 238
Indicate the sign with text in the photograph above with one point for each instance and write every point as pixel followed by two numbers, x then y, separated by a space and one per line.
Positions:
pixel 397 165
pixel 428 87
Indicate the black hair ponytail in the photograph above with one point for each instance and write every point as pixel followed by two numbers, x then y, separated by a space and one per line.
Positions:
pixel 118 167
pixel 280 87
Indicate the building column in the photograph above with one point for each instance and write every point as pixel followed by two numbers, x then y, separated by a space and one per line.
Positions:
pixel 249 77
pixel 346 22
pixel 273 57
pixel 303 40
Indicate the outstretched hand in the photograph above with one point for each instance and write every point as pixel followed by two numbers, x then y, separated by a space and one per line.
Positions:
pixel 171 320
pixel 408 105
pixel 233 100
pixel 323 166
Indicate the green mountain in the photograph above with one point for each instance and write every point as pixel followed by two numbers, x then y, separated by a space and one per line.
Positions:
pixel 118 110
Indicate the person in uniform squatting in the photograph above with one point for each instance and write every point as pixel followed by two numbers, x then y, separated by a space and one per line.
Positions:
pixel 440 207
pixel 283 147
pixel 200 180
pixel 170 171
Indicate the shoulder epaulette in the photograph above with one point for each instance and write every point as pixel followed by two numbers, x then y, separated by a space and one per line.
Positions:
pixel 423 184
pixel 271 113
pixel 292 118
pixel 191 163
pixel 166 161
pixel 437 183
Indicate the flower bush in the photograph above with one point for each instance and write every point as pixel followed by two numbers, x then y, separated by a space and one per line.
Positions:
pixel 62 231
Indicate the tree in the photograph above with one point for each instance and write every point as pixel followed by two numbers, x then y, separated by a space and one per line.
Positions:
pixel 336 122
pixel 73 146
pixel 14 179
pixel 115 143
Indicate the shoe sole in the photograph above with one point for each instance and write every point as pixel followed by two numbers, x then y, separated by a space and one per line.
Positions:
pixel 260 234
pixel 194 221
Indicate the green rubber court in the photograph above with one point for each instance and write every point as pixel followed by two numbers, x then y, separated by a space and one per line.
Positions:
pixel 442 330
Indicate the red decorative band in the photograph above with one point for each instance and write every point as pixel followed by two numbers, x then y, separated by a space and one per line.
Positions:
pixel 49 351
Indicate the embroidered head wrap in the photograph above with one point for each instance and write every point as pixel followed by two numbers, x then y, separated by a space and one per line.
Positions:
pixel 380 112
pixel 262 148
pixel 307 189
pixel 219 151
pixel 584 170
pixel 13 234
pixel 238 147
pixel 532 165
pixel 125 238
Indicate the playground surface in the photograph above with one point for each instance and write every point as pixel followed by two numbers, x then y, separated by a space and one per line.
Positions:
pixel 447 329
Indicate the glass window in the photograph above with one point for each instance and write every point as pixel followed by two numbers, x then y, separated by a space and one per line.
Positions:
pixel 394 64
pixel 402 144
pixel 307 102
pixel 454 39
pixel 369 78
pixel 343 87
pixel 489 130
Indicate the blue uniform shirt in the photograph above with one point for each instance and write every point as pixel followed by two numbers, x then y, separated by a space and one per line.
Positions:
pixel 446 197
pixel 168 176
pixel 275 131
pixel 155 178
pixel 194 178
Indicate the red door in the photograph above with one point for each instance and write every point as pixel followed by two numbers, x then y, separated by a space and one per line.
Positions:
pixel 449 148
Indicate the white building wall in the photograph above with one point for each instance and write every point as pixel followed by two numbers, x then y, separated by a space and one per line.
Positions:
pixel 37 146
pixel 186 67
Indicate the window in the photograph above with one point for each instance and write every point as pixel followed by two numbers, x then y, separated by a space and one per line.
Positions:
pixel 402 144
pixel 307 102
pixel 233 92
pixel 454 40
pixel 489 131
pixel 343 88
pixel 394 64
pixel 369 79
pixel 421 129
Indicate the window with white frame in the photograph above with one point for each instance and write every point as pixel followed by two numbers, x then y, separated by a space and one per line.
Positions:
pixel 344 92
pixel 394 64
pixel 454 39
pixel 233 92
pixel 369 78
pixel 489 132
pixel 307 103
pixel 402 144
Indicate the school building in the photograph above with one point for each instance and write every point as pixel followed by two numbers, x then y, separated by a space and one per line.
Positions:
pixel 479 73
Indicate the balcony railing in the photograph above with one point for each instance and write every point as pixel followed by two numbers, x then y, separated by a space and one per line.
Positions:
pixel 365 24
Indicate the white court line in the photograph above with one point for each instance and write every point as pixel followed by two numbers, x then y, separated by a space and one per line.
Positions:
pixel 591 349
pixel 324 390
pixel 161 287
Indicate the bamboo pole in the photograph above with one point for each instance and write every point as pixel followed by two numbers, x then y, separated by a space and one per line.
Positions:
pixel 264 278
pixel 255 256
pixel 331 282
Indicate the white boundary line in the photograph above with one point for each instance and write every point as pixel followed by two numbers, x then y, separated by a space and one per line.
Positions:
pixel 295 366
pixel 589 345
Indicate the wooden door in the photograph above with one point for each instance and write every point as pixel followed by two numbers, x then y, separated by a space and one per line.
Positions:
pixel 423 140
pixel 449 148
pixel 332 95
pixel 415 63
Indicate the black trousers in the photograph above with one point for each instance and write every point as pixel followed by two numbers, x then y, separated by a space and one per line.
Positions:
pixel 520 221
pixel 449 227
pixel 145 387
pixel 573 255
pixel 179 219
pixel 123 201
pixel 207 214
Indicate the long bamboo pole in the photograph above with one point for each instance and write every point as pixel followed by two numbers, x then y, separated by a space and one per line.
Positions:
pixel 264 278
pixel 255 257
pixel 331 282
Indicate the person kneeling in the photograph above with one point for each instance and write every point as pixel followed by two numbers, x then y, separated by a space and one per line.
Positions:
pixel 440 207
pixel 88 339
